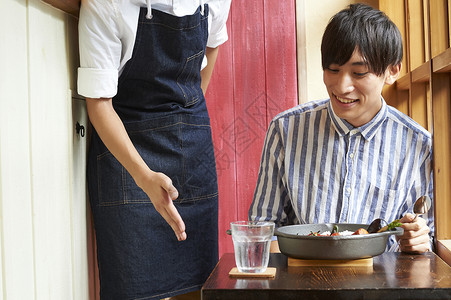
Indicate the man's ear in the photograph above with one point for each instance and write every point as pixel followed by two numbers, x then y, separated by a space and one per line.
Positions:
pixel 392 73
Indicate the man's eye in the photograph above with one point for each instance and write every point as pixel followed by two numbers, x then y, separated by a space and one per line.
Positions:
pixel 360 74
pixel 332 70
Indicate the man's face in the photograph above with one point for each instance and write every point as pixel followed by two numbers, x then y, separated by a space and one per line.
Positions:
pixel 355 93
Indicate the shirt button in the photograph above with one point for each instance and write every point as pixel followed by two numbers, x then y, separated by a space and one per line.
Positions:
pixel 351 155
pixel 353 132
pixel 349 190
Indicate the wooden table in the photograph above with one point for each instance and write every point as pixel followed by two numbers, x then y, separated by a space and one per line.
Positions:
pixel 392 276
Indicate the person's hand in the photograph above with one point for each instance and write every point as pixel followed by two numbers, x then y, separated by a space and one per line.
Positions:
pixel 161 192
pixel 416 235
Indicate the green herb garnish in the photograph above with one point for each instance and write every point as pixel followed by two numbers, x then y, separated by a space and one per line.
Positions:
pixel 335 229
pixel 394 224
pixel 391 226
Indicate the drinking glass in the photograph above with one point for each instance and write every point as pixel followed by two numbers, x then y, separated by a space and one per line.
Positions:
pixel 251 242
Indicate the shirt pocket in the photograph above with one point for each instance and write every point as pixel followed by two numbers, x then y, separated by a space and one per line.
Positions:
pixel 379 203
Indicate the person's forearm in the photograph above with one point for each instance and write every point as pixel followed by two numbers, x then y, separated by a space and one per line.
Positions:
pixel 113 134
pixel 156 185
pixel 212 54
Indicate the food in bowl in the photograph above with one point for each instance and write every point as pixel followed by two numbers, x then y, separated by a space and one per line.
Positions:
pixel 336 232
pixel 374 227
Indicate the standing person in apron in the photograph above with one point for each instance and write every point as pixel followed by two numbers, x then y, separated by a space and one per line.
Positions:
pixel 151 167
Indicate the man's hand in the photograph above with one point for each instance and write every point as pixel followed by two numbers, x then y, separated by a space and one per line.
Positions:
pixel 416 235
pixel 162 192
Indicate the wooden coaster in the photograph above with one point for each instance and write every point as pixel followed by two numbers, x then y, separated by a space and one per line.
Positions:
pixel 363 262
pixel 269 273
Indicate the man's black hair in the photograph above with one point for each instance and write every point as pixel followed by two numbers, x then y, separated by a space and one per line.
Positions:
pixel 366 29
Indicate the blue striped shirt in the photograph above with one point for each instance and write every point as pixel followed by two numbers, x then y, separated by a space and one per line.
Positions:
pixel 318 168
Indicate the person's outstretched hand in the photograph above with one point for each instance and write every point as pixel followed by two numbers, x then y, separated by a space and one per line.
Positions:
pixel 162 192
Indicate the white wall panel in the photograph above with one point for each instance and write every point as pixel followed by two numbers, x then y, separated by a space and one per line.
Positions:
pixel 80 274
pixel 43 243
pixel 16 194
pixel 49 112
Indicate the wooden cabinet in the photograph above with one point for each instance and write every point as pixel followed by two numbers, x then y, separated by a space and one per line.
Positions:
pixel 424 92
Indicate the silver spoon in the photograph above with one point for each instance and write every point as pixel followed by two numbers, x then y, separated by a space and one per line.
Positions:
pixel 421 206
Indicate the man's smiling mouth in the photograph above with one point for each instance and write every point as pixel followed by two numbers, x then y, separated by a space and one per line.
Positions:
pixel 344 100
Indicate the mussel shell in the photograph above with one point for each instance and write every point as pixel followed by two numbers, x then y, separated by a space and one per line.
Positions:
pixel 376 225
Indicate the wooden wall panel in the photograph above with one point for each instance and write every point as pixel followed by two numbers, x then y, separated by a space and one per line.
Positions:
pixel 449 23
pixel 395 9
pixel 441 96
pixel 426 30
pixel 254 79
pixel 420 100
pixel 418 112
pixel 416 33
pixel 398 98
pixel 426 89
pixel 280 57
pixel 403 101
pixel 250 95
pixel 439 26
pixel 221 106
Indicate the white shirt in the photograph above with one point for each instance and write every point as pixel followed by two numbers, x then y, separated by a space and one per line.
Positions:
pixel 107 31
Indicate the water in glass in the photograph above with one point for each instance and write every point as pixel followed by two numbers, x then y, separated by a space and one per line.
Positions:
pixel 252 241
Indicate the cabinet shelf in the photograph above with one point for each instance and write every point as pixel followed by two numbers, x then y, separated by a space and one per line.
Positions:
pixel 70 6
pixel 422 73
pixel 403 83
pixel 442 62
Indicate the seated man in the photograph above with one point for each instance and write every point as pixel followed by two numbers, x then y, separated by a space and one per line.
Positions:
pixel 351 158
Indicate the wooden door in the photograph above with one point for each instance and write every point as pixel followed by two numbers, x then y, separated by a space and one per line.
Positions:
pixel 254 79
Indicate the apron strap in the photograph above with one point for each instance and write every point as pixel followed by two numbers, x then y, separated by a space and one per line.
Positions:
pixel 149 10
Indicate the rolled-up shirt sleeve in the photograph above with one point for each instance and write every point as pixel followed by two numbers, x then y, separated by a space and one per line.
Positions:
pixel 100 49
pixel 219 10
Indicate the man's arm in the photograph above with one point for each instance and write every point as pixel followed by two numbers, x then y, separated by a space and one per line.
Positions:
pixel 205 74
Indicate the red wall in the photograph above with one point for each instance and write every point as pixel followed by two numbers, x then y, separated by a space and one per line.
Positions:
pixel 254 79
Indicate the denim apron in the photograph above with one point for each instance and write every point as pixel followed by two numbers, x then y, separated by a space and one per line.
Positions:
pixel 162 106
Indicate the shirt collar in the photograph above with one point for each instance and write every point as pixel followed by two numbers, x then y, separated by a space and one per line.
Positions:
pixel 343 127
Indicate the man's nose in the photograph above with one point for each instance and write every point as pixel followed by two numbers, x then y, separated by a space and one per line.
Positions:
pixel 345 84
